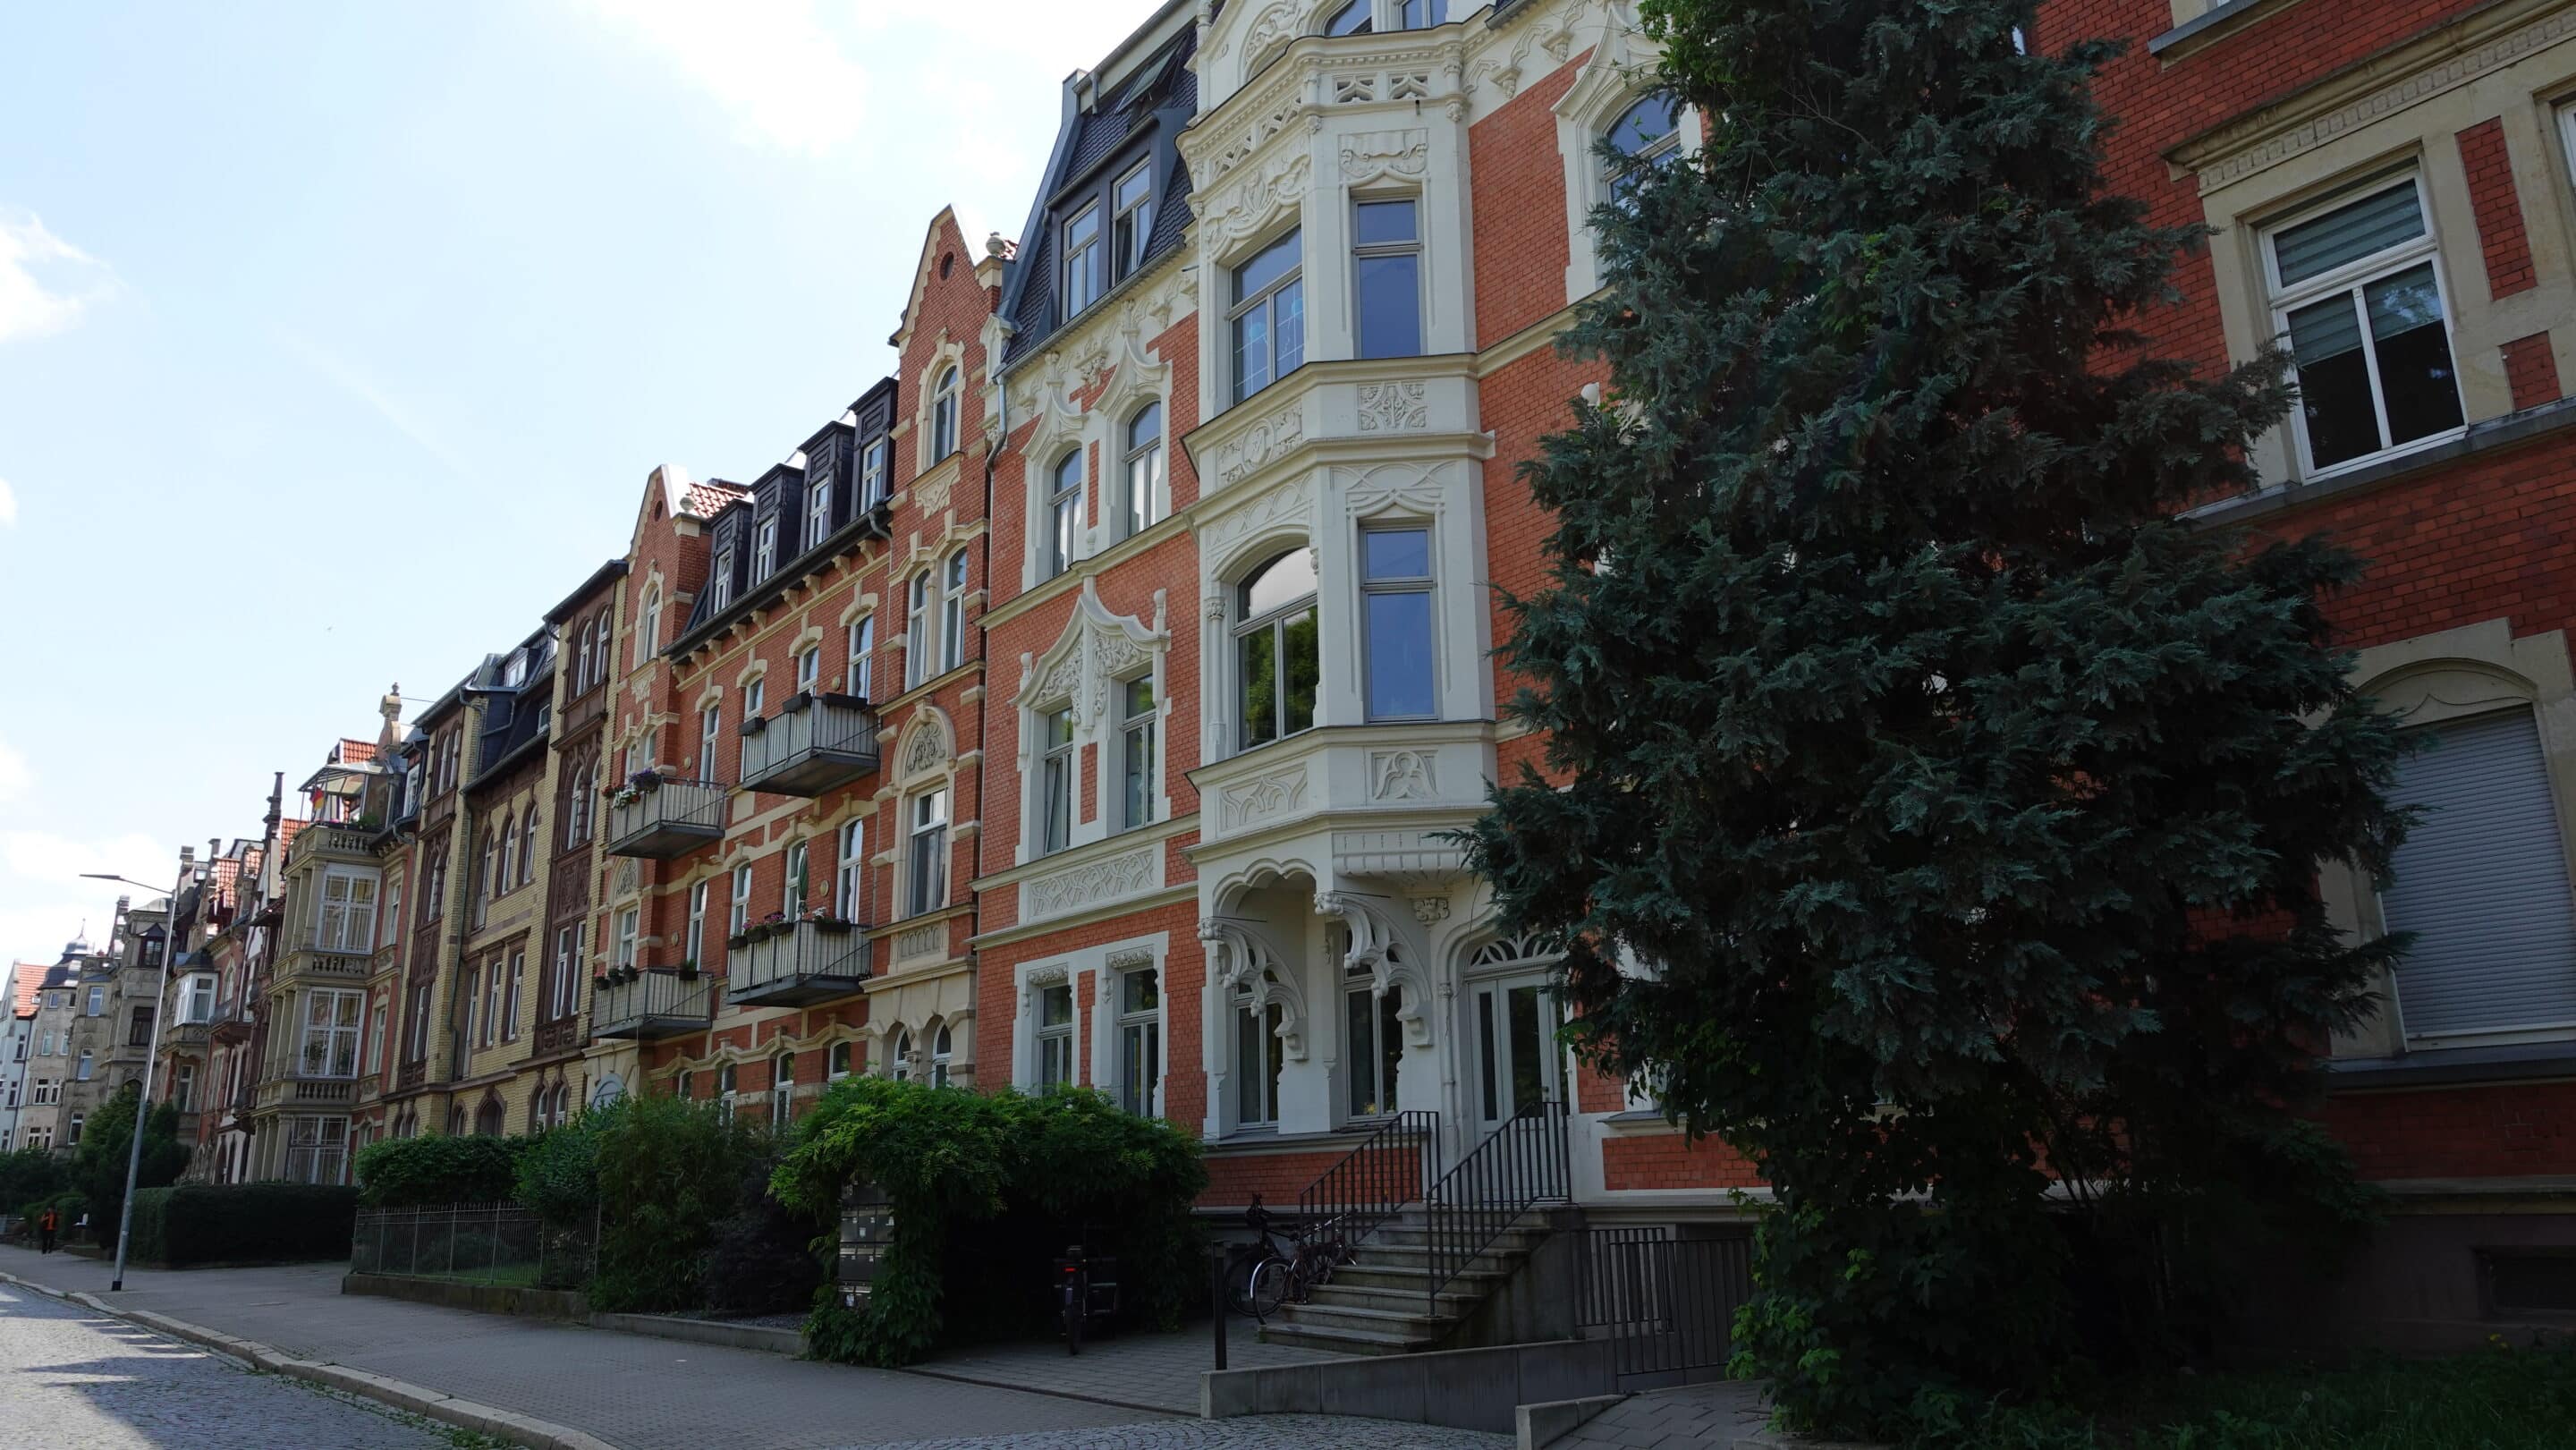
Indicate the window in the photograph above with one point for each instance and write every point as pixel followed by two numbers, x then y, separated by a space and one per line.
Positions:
pixel 720 578
pixel 809 670
pixel 793 897
pixel 1268 317
pixel 81 1073
pixel 495 1002
pixel 1056 781
pixel 929 874
pixel 1373 1047
pixel 332 1019
pixel 2482 882
pixel 916 630
pixel 1386 272
pixel 710 730
pixel 183 1087
pixel 782 1089
pixel 943 416
pixel 818 511
pixel 1131 231
pixel 391 922
pixel 416 1020
pixel 694 943
pixel 1275 648
pixel 560 980
pixel 939 1054
pixel 138 1026
pixel 1082 260
pixel 502 878
pixel 71 1139
pixel 648 627
pixel 764 550
pixel 1141 507
pixel 738 902
pixel 1055 1036
pixel 1140 1040
pixel 754 697
pixel 2355 289
pixel 899 1065
pixel 863 643
pixel 952 614
pixel 1136 751
pixel 510 999
pixel 97 1002
pixel 197 999
pixel 1351 19
pixel 1421 14
pixel 849 886
pixel 725 1077
pixel 1649 131
pixel 1257 1060
pixel 1395 608
pixel 687 1081
pixel 488 874
pixel 316 1149
pixel 1064 513
pixel 872 473
pixel 528 847
pixel 838 1064
pixel 629 930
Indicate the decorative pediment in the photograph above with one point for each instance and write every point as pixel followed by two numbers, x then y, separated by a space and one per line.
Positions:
pixel 1096 648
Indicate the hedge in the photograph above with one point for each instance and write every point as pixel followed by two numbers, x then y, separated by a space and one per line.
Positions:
pixel 198 1223
pixel 408 1172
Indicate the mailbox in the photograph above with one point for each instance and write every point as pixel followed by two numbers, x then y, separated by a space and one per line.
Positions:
pixel 867 1227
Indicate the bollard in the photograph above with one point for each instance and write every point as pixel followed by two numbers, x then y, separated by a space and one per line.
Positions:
pixel 1216 1301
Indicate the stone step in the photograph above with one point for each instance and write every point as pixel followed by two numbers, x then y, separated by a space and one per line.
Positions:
pixel 1414 1279
pixel 1417 1257
pixel 1409 1321
pixel 1344 1341
pixel 1395 1236
pixel 1407 1297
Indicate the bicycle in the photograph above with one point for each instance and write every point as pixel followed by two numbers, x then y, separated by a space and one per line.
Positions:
pixel 1275 1278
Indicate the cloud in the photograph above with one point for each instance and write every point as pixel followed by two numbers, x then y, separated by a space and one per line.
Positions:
pixel 14 778
pixel 350 379
pixel 45 282
pixel 8 505
pixel 785 79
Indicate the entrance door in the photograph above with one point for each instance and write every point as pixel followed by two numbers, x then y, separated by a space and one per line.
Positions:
pixel 1519 1063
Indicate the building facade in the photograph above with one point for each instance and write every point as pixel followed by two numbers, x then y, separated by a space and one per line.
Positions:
pixel 17 1048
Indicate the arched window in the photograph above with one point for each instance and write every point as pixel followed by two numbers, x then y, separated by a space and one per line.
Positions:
pixel 916 630
pixel 1356 18
pixel 939 1046
pixel 1649 131
pixel 900 1069
pixel 487 1119
pixel 648 626
pixel 952 613
pixel 1142 505
pixel 1064 512
pixel 1277 667
pixel 943 415
pixel 528 848
pixel 782 1089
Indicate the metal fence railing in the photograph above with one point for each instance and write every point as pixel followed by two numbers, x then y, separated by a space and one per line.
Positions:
pixel 478 1243
pixel 1667 1304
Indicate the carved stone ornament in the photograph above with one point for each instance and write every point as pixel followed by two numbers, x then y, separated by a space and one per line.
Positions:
pixel 926 751
pixel 1091 884
pixel 1402 775
pixel 1270 438
pixel 1430 910
pixel 1369 156
pixel 1246 206
pixel 1393 408
pixel 1279 793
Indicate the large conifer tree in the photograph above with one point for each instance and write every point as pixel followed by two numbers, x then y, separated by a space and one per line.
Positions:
pixel 1931 815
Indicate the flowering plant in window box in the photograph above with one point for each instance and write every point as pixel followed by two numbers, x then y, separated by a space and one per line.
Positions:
pixel 645 780
pixel 624 795
pixel 830 925
pixel 739 939
pixel 688 971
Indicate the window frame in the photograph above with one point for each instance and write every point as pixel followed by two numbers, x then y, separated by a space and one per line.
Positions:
pixel 738 901
pixel 2350 279
pixel 945 393
pixel 1371 587
pixel 1362 253
pixel 818 511
pixel 1140 1029
pixel 1063 512
pixel 710 736
pixel 1264 301
pixel 695 947
pixel 876 469
pixel 1142 471
pixel 720 577
pixel 860 679
pixel 1081 273
pixel 926 851
pixel 1275 622
pixel 1054 1062
pixel 764 548
pixel 849 870
pixel 1131 222
pixel 1059 777
pixel 955 575
pixel 916 630
pixel 809 669
pixel 1139 753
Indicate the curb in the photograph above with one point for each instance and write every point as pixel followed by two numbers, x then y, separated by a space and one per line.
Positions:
pixel 402 1395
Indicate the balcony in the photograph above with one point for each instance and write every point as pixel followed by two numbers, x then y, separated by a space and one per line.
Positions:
pixel 317 966
pixel 653 1006
pixel 667 820
pixel 187 1036
pixel 305 1093
pixel 345 840
pixel 813 743
pixel 796 963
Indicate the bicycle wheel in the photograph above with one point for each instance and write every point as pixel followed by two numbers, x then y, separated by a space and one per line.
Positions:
pixel 1269 1287
pixel 1238 1292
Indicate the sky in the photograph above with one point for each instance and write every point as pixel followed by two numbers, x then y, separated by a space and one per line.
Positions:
pixel 336 342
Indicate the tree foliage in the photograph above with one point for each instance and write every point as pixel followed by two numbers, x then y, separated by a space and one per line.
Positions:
pixel 438 1169
pixel 107 1141
pixel 986 1189
pixel 669 1172
pixel 1953 806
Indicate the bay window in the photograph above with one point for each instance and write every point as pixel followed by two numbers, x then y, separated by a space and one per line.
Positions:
pixel 332 1021
pixel 1266 317
pixel 2356 287
pixel 1386 277
pixel 347 922
pixel 1277 667
pixel 1396 623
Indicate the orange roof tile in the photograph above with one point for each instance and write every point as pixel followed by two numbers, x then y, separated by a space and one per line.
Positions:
pixel 705 499
pixel 24 981
pixel 355 752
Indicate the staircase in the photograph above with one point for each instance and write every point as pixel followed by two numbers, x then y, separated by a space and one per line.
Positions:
pixel 1422 1265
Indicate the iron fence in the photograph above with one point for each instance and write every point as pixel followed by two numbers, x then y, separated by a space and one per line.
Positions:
pixel 1519 1165
pixel 477 1243
pixel 1667 1304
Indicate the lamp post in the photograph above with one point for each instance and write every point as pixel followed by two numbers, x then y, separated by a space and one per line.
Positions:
pixel 143 1099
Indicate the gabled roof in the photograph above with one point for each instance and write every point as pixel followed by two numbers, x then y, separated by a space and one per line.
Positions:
pixel 26 979
pixel 708 499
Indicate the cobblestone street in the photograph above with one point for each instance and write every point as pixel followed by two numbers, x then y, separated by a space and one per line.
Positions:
pixel 74 1380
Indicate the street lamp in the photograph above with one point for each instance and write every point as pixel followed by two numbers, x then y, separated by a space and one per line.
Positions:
pixel 143 1099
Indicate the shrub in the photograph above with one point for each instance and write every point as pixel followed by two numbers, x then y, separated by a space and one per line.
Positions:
pixel 99 1164
pixel 30 1175
pixel 1028 1174
pixel 668 1172
pixel 200 1223
pixel 558 1175
pixel 764 1258
pixel 406 1172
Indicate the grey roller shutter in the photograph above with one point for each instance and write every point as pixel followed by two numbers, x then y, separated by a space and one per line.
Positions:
pixel 2482 882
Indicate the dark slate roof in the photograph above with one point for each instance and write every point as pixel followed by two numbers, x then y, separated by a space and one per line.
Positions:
pixel 515 717
pixel 1159 99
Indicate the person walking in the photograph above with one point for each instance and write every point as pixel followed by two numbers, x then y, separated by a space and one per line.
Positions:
pixel 45 1225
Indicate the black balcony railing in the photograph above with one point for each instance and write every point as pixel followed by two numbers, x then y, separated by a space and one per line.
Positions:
pixel 792 963
pixel 813 743
pixel 665 820
pixel 1374 1181
pixel 653 1005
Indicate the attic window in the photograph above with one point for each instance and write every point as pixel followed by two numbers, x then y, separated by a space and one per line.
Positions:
pixel 947 264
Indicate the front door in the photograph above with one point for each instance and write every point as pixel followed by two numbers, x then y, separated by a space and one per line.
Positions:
pixel 1519 1063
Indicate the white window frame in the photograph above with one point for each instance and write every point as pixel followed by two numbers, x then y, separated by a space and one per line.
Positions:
pixel 1140 505
pixel 861 679
pixel 322 1029
pixel 916 630
pixel 648 627
pixel 942 1048
pixel 764 549
pixel 1131 222
pixel 809 669
pixel 1063 511
pixel 1082 275
pixel 2350 279
pixel 738 901
pixel 1054 1061
pixel 793 882
pixel 875 465
pixel 1139 1030
pixel 630 928
pixel 850 882
pixel 782 1089
pixel 710 731
pixel 926 851
pixel 1059 777
pixel 197 999
pixel 955 574
pixel 899 1056
pixel 347 919
pixel 1139 755
pixel 945 395
pixel 818 511
pixel 696 945
pixel 720 578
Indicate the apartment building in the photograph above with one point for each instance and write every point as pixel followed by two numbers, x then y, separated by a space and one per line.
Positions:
pixel 17 1048
pixel 192 1003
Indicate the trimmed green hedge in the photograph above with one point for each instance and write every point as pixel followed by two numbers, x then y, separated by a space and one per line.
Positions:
pixel 198 1223
pixel 407 1172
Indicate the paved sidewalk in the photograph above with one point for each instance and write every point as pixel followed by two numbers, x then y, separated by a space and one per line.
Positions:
pixel 1149 1371
pixel 1694 1417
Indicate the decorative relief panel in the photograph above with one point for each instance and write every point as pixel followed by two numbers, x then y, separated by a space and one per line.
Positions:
pixel 1376 155
pixel 1263 441
pixel 1262 798
pixel 1393 408
pixel 1091 884
pixel 1244 207
pixel 1402 775
pixel 929 940
pixel 1281 506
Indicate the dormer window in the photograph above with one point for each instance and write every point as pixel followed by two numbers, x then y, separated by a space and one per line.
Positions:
pixel 818 511
pixel 514 671
pixel 872 474
pixel 1356 18
pixel 723 582
pixel 764 549
pixel 1082 259
pixel 1132 229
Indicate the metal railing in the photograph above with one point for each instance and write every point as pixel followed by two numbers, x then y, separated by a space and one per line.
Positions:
pixel 476 1243
pixel 787 958
pixel 1520 1164
pixel 1375 1180
pixel 812 743
pixel 655 1004
pixel 1666 1304
pixel 665 819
